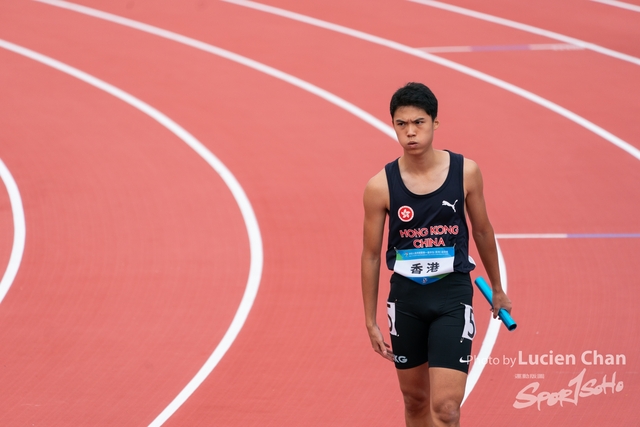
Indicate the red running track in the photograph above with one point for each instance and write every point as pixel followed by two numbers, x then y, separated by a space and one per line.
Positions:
pixel 136 255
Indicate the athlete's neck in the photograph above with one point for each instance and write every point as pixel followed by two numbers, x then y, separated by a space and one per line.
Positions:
pixel 421 164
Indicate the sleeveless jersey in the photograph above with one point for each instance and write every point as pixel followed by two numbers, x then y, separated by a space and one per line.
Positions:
pixel 428 234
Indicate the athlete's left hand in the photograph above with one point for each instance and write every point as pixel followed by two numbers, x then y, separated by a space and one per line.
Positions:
pixel 500 300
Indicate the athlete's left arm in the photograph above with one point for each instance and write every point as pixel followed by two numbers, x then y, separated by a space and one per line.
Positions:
pixel 483 233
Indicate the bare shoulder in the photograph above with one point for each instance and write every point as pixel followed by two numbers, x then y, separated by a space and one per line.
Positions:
pixel 471 167
pixel 378 181
pixel 376 192
pixel 472 175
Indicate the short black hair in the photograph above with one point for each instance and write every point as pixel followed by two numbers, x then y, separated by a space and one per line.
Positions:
pixel 415 95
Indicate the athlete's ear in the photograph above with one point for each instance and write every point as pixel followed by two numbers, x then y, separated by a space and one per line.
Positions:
pixel 436 123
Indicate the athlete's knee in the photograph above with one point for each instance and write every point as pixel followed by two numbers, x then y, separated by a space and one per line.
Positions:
pixel 446 413
pixel 416 403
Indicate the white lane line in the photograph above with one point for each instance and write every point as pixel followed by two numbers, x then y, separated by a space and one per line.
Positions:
pixel 619 4
pixel 530 29
pixel 197 44
pixel 501 48
pixel 19 230
pixel 490 337
pixel 569 236
pixel 592 127
pixel 532 236
pixel 251 223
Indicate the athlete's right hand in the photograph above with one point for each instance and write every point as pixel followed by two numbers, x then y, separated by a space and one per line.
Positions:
pixel 378 344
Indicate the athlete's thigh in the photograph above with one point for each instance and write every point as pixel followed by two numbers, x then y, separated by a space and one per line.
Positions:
pixel 452 332
pixel 447 387
pixel 408 327
pixel 415 382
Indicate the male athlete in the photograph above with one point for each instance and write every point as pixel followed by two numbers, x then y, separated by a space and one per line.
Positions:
pixel 427 194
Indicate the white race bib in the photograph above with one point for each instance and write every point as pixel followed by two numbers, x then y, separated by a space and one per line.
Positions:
pixel 425 265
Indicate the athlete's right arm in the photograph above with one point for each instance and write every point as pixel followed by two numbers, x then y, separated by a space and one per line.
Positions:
pixel 376 205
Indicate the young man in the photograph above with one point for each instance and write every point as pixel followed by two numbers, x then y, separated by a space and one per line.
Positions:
pixel 427 194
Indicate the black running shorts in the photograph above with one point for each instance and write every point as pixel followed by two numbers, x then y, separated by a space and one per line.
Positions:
pixel 431 323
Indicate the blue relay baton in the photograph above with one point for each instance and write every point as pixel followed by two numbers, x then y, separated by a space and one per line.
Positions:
pixel 502 314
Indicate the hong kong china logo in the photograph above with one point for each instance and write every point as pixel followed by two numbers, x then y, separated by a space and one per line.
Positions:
pixel 405 213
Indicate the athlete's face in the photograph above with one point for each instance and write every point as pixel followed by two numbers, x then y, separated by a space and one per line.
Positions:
pixel 414 128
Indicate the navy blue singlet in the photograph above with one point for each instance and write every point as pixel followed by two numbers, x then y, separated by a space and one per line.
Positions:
pixel 428 234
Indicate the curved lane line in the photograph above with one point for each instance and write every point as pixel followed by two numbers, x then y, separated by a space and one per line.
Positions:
pixel 197 44
pixel 490 337
pixel 620 4
pixel 635 152
pixel 492 332
pixel 253 230
pixel 19 230
pixel 530 29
